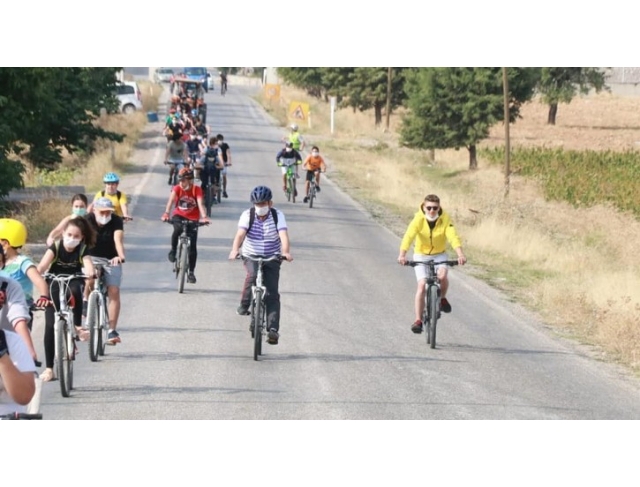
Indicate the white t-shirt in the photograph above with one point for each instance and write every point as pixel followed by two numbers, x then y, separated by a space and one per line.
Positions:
pixel 21 358
pixel 16 306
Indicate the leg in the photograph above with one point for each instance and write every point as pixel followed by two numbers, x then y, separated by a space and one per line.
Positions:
pixel 177 230
pixel 271 279
pixel 419 299
pixel 250 279
pixel 444 281
pixel 193 248
pixel 114 306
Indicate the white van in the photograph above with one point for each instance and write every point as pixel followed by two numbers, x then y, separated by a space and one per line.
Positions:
pixel 129 95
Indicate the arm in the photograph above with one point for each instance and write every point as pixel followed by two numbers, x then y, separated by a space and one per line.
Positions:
pixel 284 238
pixel 38 282
pixel 167 211
pixel 118 237
pixel 237 242
pixel 408 238
pixel 89 268
pixel 456 244
pixel 228 156
pixel 45 262
pixel 18 315
pixel 56 232
pixel 19 385
pixel 203 212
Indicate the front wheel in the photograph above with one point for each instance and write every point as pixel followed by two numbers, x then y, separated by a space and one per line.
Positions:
pixel 257 325
pixel 312 195
pixel 183 267
pixel 63 359
pixel 93 323
pixel 433 314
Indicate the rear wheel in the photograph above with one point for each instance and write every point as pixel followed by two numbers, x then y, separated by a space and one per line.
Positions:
pixel 208 199
pixel 257 325
pixel 93 323
pixel 433 314
pixel 183 267
pixel 62 357
pixel 293 188
pixel 289 188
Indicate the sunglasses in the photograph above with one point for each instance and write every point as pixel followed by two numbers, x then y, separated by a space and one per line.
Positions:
pixel 431 208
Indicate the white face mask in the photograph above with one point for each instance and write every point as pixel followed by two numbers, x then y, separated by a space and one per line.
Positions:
pixel 314 154
pixel 262 210
pixel 103 220
pixel 71 242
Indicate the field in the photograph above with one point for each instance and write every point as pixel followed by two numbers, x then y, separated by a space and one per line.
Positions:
pixel 575 265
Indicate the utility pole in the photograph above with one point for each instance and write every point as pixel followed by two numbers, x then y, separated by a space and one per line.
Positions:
pixel 507 141
pixel 388 96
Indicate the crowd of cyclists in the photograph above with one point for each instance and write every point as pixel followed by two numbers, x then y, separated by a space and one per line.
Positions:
pixel 93 234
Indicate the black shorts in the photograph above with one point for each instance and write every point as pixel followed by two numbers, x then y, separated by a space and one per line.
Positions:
pixel 311 175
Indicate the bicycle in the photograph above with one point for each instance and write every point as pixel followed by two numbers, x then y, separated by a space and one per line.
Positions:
pixel 176 169
pixel 17 415
pixel 290 189
pixel 313 189
pixel 258 327
pixel 212 187
pixel 431 312
pixel 98 316
pixel 64 331
pixel 223 88
pixel 181 264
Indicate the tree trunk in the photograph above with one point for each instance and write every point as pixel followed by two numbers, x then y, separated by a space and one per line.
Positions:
pixel 553 111
pixel 473 161
pixel 378 111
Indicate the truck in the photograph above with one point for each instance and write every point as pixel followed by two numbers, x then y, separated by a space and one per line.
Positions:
pixel 201 75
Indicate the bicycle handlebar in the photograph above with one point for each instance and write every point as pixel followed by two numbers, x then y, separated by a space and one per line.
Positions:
pixel 264 259
pixel 65 277
pixel 413 263
pixel 188 223
pixel 21 416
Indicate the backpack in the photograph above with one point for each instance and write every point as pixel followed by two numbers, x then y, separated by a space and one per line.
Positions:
pixel 252 217
pixel 118 194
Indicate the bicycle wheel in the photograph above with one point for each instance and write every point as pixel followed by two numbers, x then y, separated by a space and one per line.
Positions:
pixel 208 199
pixel 312 195
pixel 293 188
pixel 104 325
pixel 219 192
pixel 183 267
pixel 93 323
pixel 257 325
pixel 433 314
pixel 62 357
pixel 252 327
pixel 289 188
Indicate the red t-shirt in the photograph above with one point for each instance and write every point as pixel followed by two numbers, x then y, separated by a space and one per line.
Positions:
pixel 187 202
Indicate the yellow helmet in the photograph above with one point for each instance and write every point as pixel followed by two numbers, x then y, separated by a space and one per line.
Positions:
pixel 13 232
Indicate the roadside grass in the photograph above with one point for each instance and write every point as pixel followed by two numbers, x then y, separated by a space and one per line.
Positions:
pixel 577 267
pixel 85 170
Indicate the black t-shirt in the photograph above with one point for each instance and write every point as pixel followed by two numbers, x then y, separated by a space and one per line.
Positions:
pixel 224 147
pixel 194 145
pixel 105 244
pixel 66 262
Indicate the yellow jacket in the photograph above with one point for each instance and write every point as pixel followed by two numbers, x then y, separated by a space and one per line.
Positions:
pixel 430 241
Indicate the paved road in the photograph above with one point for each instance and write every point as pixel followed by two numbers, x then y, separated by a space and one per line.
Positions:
pixel 346 351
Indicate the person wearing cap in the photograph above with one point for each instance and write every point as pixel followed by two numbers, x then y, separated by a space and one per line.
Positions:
pixel 111 181
pixel 108 252
pixel 295 138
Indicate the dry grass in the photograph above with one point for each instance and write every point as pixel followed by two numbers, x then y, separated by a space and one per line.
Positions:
pixel 579 268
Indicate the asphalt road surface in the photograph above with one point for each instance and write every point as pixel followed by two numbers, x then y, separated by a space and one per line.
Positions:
pixel 346 350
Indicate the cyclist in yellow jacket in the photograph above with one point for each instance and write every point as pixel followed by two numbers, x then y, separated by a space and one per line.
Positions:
pixel 431 228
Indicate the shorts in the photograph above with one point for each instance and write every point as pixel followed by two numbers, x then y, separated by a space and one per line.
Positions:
pixel 311 174
pixel 223 170
pixel 112 273
pixel 421 271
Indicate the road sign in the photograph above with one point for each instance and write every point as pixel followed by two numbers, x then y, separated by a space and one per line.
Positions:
pixel 272 92
pixel 298 111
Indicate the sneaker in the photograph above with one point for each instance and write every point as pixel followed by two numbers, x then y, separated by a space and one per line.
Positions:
pixel 242 311
pixel 169 182
pixel 172 256
pixel 191 278
pixel 306 199
pixel 445 306
pixel 295 192
pixel 113 338
pixel 317 188
pixel 272 337
pixel 224 194
pixel 417 327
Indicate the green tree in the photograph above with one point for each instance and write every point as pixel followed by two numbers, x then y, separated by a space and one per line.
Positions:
pixel 456 107
pixel 561 85
pixel 48 110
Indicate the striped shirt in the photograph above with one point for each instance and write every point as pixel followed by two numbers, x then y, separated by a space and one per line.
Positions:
pixel 262 238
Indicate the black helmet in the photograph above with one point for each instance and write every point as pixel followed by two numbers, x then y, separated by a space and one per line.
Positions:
pixel 185 173
pixel 260 194
pixel 289 145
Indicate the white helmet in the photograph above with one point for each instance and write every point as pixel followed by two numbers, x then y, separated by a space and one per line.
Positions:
pixel 294 127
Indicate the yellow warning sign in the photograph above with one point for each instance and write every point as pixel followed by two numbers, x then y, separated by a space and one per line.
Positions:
pixel 298 111
pixel 272 92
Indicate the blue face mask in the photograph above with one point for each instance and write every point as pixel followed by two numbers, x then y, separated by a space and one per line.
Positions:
pixel 79 211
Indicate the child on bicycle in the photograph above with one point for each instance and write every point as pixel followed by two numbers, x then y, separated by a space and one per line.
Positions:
pixel 314 163
pixel 176 154
pixel 431 229
pixel 286 157
pixel 65 257
pixel 211 164
pixel 187 198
